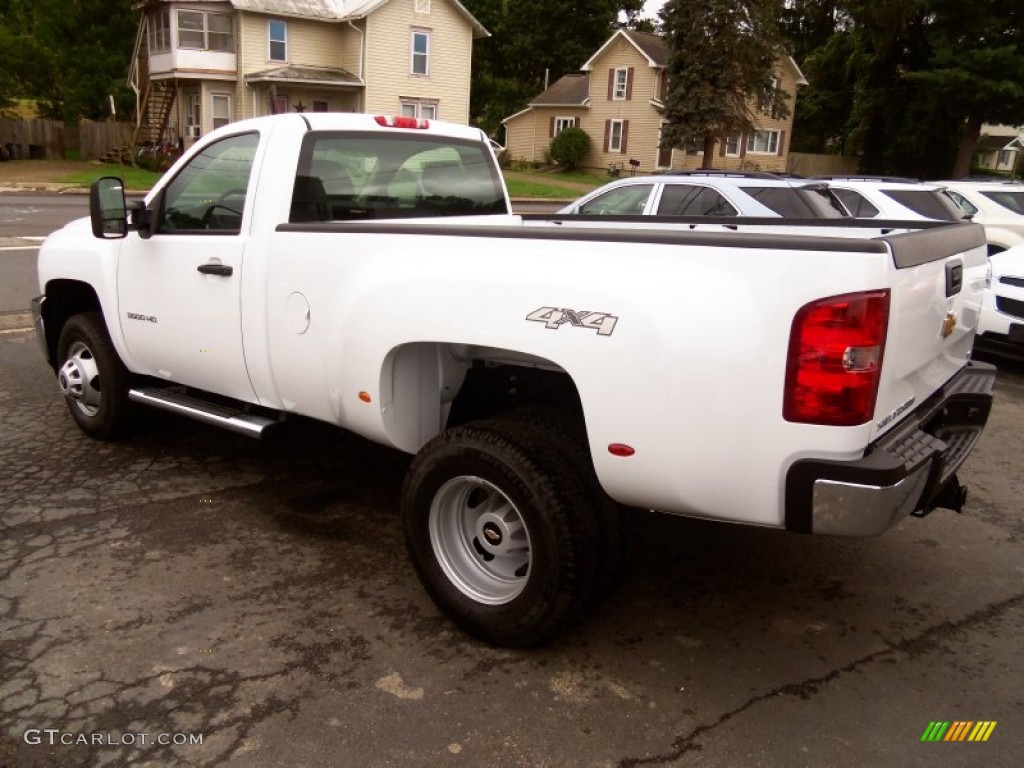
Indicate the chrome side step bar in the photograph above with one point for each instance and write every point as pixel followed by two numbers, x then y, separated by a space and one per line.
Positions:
pixel 202 410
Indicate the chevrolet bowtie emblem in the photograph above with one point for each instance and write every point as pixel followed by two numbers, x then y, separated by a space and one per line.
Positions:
pixel 948 325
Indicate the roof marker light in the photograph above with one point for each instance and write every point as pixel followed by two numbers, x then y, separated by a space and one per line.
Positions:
pixel 621 449
pixel 365 397
pixel 400 121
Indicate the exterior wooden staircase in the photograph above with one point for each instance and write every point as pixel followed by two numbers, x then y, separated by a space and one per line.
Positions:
pixel 154 98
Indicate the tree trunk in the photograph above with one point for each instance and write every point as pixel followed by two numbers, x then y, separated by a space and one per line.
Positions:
pixel 965 152
pixel 709 153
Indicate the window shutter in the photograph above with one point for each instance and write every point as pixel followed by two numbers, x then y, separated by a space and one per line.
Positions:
pixel 629 83
pixel 743 145
pixel 607 133
pixel 551 128
pixel 625 135
pixel 782 141
pixel 663 88
pixel 611 83
pixel 721 146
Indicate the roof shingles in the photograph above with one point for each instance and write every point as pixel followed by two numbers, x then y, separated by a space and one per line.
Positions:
pixel 568 90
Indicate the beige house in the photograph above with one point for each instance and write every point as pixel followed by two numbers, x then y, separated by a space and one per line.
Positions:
pixel 999 148
pixel 200 64
pixel 616 100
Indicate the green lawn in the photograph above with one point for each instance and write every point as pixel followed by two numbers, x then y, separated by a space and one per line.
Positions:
pixel 134 178
pixel 519 188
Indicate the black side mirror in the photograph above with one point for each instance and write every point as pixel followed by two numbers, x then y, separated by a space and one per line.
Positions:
pixel 107 208
pixel 141 218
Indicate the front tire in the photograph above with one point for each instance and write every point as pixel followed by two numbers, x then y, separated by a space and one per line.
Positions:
pixel 92 377
pixel 498 538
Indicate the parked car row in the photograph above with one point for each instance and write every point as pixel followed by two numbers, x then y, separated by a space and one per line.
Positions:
pixel 995 203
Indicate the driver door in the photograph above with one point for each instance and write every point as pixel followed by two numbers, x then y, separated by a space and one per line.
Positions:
pixel 179 290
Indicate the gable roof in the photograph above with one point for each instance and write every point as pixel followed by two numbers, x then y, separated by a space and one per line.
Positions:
pixel 1000 141
pixel 566 91
pixel 337 10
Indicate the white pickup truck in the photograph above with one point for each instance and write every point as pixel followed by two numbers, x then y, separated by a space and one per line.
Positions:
pixel 546 377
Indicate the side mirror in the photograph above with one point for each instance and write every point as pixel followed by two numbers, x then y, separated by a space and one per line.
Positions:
pixel 107 209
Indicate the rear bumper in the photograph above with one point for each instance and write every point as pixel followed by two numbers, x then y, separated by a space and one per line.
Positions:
pixel 911 470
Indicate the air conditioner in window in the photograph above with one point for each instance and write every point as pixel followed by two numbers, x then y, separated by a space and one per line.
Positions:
pixel 193 131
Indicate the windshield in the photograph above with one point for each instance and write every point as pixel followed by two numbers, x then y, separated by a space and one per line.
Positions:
pixel 365 175
pixel 1013 201
pixel 806 202
pixel 929 203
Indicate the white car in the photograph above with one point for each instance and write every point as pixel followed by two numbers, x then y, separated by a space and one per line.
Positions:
pixel 710 193
pixel 1001 324
pixel 997 204
pixel 893 198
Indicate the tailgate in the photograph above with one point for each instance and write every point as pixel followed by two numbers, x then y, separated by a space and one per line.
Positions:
pixel 938 282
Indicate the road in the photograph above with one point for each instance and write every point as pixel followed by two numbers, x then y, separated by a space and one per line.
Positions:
pixel 191 581
pixel 29 216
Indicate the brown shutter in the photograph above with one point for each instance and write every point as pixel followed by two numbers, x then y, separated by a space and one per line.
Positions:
pixel 782 141
pixel 629 83
pixel 611 83
pixel 551 128
pixel 743 145
pixel 721 149
pixel 663 87
pixel 607 133
pixel 625 135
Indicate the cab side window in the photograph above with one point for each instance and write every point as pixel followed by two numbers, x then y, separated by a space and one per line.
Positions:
pixel 630 200
pixel 209 193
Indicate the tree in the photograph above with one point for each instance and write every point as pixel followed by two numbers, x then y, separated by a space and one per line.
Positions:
pixel 721 63
pixel 975 70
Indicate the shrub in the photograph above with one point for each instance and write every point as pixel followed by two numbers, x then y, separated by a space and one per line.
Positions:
pixel 569 147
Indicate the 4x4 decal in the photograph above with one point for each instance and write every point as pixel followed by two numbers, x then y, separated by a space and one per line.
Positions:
pixel 554 318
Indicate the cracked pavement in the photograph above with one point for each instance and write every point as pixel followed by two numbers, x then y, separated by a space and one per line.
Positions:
pixel 191 581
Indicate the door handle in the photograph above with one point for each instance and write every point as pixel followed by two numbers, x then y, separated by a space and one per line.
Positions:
pixel 215 269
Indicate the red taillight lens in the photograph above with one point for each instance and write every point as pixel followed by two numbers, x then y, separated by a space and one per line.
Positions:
pixel 835 359
pixel 401 122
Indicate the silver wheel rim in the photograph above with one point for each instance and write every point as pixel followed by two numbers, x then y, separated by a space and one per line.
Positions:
pixel 480 540
pixel 79 379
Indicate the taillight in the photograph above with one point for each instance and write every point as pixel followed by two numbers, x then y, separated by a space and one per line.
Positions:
pixel 401 122
pixel 835 359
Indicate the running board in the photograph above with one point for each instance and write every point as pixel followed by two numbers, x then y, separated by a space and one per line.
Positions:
pixel 202 410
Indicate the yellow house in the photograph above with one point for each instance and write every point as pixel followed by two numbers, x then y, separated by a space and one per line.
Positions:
pixel 616 100
pixel 199 64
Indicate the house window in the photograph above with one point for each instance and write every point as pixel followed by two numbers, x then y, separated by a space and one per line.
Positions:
pixel 420 53
pixel 221 109
pixel 1004 157
pixel 320 106
pixel 561 123
pixel 763 142
pixel 615 136
pixel 160 32
pixel 277 36
pixel 695 146
pixel 422 108
pixel 766 102
pixel 732 146
pixel 621 84
pixel 205 31
pixel 193 117
pixel 422 6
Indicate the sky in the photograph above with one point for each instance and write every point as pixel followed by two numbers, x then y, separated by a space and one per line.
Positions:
pixel 651 8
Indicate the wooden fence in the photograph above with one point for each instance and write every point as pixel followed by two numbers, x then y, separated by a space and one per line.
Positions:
pixel 821 165
pixel 48 139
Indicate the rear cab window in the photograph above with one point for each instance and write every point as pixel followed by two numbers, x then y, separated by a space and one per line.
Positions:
pixel 346 175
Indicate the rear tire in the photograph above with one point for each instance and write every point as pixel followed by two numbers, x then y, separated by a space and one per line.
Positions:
pixel 497 536
pixel 92 377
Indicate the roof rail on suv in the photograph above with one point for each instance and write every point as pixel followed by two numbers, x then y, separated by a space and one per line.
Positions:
pixel 865 177
pixel 728 174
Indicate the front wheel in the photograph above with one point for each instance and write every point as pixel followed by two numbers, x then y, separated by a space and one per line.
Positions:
pixel 92 377
pixel 498 539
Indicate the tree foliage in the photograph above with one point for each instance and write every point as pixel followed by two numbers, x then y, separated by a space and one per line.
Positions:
pixel 69 55
pixel 721 63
